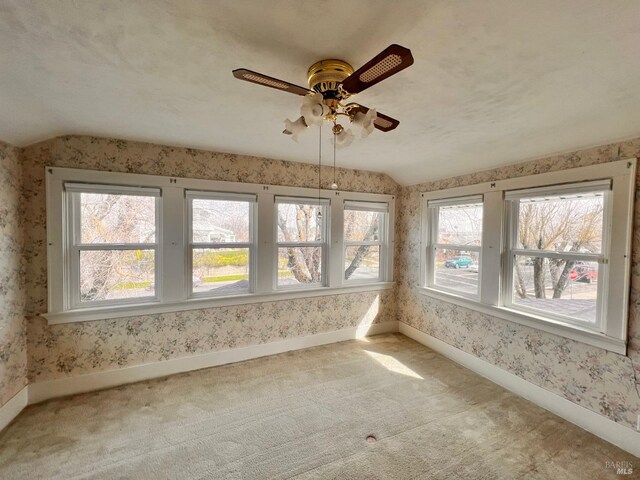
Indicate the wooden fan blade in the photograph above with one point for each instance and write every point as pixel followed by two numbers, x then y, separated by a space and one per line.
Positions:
pixel 260 79
pixel 383 122
pixel 390 61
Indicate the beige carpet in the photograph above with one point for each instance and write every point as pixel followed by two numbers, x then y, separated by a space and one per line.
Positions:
pixel 306 414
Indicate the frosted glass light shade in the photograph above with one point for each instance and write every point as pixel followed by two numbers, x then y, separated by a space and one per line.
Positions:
pixel 313 109
pixel 365 121
pixel 344 138
pixel 295 128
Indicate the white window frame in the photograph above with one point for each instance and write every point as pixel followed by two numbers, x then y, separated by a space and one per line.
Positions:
pixel 433 219
pixel 74 246
pixel 602 259
pixel 382 242
pixel 174 289
pixel 496 266
pixel 323 244
pixel 251 199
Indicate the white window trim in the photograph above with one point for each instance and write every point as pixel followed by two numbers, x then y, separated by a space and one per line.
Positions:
pixel 324 204
pixel 432 219
pixel 174 289
pixel 382 243
pixel 511 251
pixel 72 299
pixel 613 333
pixel 251 199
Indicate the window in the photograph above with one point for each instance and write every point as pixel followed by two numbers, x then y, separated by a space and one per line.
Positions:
pixel 221 247
pixel 365 234
pixel 301 242
pixel 456 233
pixel 121 244
pixel 112 244
pixel 549 251
pixel 558 251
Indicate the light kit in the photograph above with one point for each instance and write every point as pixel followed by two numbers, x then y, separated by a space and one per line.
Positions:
pixel 331 83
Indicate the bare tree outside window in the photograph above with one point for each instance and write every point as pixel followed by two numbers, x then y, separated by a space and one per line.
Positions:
pixel 460 225
pixel 560 225
pixel 126 221
pixel 570 225
pixel 363 235
pixel 301 238
pixel 300 243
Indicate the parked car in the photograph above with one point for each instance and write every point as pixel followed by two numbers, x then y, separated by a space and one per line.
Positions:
pixel 474 268
pixel 458 262
pixel 584 272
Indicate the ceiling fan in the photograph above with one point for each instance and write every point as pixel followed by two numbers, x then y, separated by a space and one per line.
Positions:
pixel 330 83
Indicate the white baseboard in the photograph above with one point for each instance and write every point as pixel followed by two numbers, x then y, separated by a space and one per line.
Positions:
pixel 41 391
pixel 621 436
pixel 13 407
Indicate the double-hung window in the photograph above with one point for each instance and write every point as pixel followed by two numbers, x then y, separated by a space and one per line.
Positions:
pixel 112 244
pixel 455 245
pixel 549 251
pixel 221 243
pixel 365 241
pixel 301 243
pixel 122 244
pixel 558 251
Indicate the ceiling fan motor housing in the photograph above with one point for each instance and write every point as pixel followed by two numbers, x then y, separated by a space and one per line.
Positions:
pixel 334 81
pixel 326 75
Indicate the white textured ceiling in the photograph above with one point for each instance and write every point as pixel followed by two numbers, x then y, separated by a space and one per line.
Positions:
pixel 494 81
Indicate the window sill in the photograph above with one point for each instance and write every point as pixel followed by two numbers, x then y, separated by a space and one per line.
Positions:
pixel 121 311
pixel 566 330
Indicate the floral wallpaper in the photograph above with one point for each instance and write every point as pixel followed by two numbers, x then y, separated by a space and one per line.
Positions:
pixel 13 340
pixel 73 349
pixel 604 382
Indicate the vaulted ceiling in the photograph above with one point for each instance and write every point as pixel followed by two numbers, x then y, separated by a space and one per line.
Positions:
pixel 494 82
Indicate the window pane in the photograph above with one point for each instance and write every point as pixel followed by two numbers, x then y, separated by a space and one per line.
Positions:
pixel 299 222
pixel 220 270
pixel 457 270
pixel 116 274
pixel 115 218
pixel 362 263
pixel 362 226
pixel 220 221
pixel 299 266
pixel 460 224
pixel 571 223
pixel 557 286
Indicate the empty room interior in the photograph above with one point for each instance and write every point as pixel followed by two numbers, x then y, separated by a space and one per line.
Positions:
pixel 354 239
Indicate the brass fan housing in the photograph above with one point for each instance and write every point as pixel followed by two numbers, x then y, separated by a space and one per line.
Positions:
pixel 325 76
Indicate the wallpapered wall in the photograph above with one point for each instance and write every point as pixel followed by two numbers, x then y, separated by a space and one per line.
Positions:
pixel 13 341
pixel 594 378
pixel 73 349
pixel 601 381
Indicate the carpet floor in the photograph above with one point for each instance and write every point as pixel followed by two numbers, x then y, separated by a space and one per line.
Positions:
pixel 303 415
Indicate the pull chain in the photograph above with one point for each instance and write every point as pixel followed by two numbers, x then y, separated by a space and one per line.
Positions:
pixel 334 185
pixel 319 163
